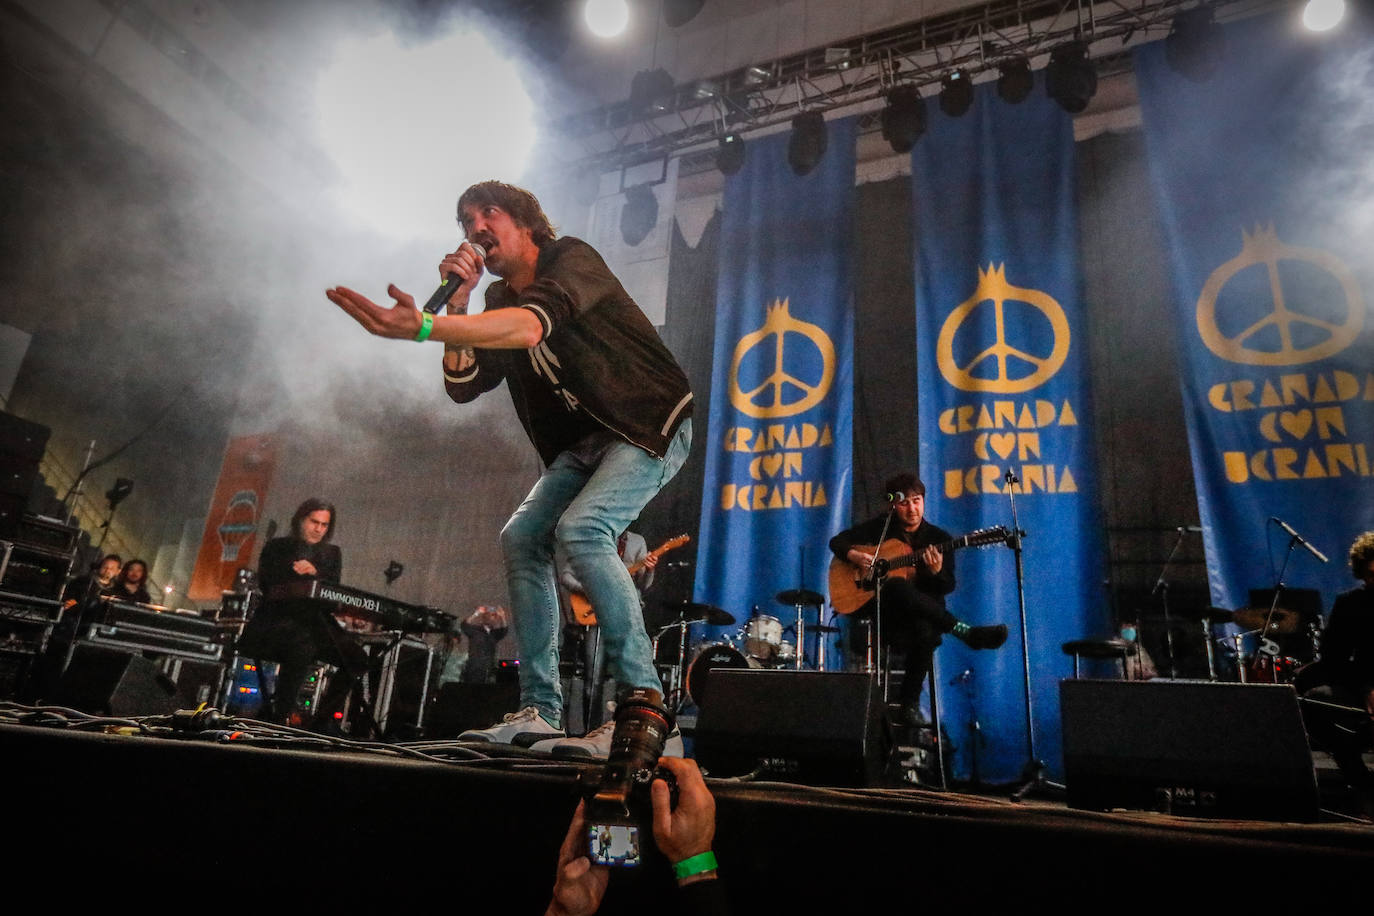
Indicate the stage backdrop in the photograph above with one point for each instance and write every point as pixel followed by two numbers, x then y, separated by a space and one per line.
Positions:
pixel 231 524
pixel 779 436
pixel 1001 370
pixel 1267 199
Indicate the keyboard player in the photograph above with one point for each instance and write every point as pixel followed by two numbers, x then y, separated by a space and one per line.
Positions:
pixel 301 634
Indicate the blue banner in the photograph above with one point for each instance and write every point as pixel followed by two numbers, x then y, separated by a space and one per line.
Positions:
pixel 1265 192
pixel 780 432
pixel 1002 377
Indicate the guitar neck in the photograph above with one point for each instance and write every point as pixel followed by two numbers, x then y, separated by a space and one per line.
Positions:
pixel 913 558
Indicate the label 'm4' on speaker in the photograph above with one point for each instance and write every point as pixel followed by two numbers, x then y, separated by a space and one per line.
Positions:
pixel 805 726
pixel 1187 747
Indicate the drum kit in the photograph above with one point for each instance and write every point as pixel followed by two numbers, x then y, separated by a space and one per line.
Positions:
pixel 1281 646
pixel 762 642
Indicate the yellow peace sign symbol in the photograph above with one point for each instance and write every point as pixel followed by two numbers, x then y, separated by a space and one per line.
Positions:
pixel 1263 249
pixel 769 399
pixel 994 291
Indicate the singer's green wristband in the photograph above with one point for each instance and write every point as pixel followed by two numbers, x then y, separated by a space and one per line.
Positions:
pixel 426 326
pixel 697 864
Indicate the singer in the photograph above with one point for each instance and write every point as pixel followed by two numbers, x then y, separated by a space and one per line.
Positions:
pixel 914 616
pixel 298 634
pixel 600 397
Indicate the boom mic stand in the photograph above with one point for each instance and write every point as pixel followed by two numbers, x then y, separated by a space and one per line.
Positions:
pixel 1162 589
pixel 1033 775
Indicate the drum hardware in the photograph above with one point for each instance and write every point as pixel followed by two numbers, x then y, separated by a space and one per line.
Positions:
pixel 801 599
pixel 687 613
pixel 1208 617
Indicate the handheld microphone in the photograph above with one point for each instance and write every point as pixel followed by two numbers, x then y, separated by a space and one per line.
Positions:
pixel 450 285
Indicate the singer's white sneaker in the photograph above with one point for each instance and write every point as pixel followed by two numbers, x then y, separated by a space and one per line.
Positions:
pixel 522 729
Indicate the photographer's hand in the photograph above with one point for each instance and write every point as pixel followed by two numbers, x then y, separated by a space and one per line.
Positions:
pixel 689 830
pixel 578 884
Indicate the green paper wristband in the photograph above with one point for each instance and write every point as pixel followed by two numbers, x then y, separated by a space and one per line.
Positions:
pixel 426 326
pixel 697 864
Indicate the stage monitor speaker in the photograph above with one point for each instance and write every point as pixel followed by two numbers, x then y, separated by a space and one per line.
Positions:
pixel 460 707
pixel 116 683
pixel 811 727
pixel 1196 748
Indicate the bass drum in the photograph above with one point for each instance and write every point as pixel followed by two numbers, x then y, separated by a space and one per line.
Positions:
pixel 716 655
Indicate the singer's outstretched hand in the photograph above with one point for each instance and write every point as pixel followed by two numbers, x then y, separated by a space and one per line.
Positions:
pixel 401 321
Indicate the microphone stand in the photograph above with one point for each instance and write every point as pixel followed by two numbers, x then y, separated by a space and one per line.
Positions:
pixel 1033 775
pixel 873 569
pixel 1162 589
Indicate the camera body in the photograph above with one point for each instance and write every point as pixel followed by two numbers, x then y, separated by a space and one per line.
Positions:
pixel 619 804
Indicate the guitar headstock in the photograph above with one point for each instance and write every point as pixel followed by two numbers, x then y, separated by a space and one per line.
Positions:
pixel 986 537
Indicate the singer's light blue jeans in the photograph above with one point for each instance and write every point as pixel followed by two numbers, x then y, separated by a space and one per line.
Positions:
pixel 582 502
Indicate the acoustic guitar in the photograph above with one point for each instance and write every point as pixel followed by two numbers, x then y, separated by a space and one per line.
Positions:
pixel 582 608
pixel 852 587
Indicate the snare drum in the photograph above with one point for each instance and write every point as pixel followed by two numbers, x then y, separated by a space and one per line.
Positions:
pixel 716 655
pixel 787 655
pixel 763 637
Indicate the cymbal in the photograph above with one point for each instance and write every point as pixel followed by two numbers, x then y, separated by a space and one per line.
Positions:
pixel 802 596
pixel 1213 614
pixel 823 628
pixel 692 610
pixel 1283 621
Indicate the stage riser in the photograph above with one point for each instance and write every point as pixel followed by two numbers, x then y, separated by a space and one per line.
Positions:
pixel 329 829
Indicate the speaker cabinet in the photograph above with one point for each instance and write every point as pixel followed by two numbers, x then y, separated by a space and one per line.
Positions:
pixel 460 707
pixel 811 727
pixel 1194 748
pixel 111 682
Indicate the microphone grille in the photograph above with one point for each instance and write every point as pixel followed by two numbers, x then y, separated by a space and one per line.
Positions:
pixel 481 252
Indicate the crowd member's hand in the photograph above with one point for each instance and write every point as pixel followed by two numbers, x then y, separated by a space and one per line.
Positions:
pixel 688 830
pixel 578 885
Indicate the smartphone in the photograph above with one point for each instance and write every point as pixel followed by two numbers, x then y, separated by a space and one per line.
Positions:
pixel 613 844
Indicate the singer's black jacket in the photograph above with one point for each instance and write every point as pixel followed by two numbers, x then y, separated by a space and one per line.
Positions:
pixel 601 364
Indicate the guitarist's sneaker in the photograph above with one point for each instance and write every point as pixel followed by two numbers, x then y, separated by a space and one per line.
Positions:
pixel 983 637
pixel 522 729
pixel 597 743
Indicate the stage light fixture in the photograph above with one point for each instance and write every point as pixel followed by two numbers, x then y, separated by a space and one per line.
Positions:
pixel 680 12
pixel 1070 78
pixel 1014 81
pixel 606 18
pixel 650 90
pixel 807 144
pixel 1195 45
pixel 116 494
pixel 639 215
pixel 1321 15
pixel 956 93
pixel 730 155
pixel 904 118
pixel 755 75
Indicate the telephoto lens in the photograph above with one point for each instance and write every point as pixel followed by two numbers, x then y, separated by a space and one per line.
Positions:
pixel 620 803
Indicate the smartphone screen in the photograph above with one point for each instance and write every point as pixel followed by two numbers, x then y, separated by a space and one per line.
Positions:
pixel 613 844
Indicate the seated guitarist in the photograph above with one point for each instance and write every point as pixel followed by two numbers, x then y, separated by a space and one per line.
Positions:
pixel 914 616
